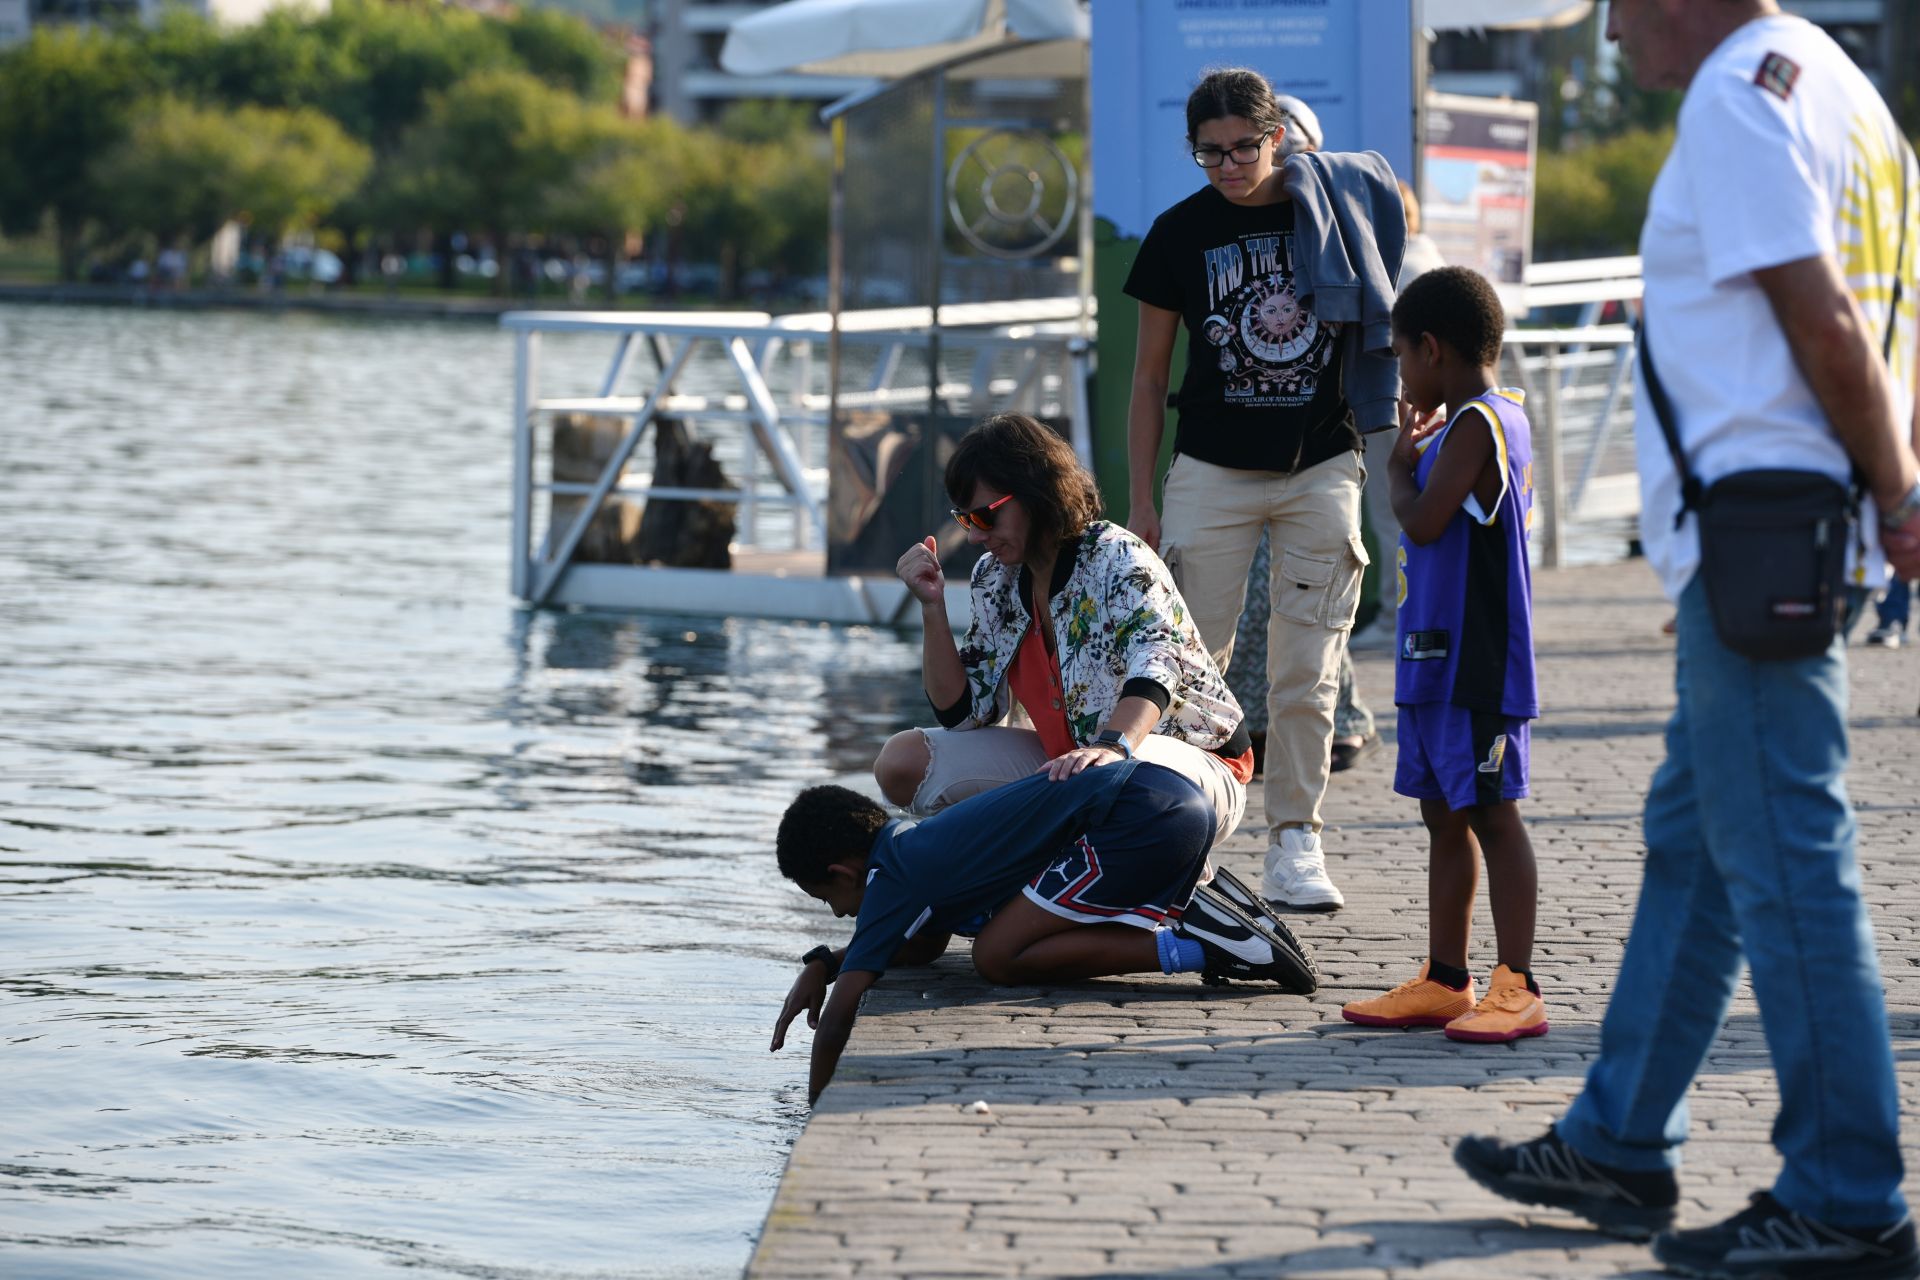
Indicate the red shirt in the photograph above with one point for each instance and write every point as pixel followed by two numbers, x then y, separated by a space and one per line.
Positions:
pixel 1034 676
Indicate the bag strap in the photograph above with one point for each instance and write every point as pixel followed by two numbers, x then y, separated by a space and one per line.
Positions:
pixel 1899 260
pixel 1691 489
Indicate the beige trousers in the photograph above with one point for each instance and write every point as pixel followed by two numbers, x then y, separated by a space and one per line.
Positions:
pixel 1208 530
pixel 965 762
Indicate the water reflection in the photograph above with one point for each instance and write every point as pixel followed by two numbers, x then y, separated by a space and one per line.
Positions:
pixel 351 918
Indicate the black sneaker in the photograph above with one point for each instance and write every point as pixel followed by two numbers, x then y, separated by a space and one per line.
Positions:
pixel 1261 912
pixel 1546 1171
pixel 1237 946
pixel 1768 1241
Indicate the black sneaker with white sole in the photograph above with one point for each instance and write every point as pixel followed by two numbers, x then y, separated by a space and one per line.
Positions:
pixel 1768 1240
pixel 1622 1202
pixel 1237 946
pixel 1261 912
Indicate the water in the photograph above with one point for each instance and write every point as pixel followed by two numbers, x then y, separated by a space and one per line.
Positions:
pixel 350 918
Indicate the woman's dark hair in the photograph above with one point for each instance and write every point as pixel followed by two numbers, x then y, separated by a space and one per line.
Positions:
pixel 1233 91
pixel 1457 306
pixel 1014 454
pixel 822 826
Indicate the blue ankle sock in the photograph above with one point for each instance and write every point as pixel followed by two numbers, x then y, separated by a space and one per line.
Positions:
pixel 1178 954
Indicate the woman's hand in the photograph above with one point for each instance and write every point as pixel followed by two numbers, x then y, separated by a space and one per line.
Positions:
pixel 1415 426
pixel 809 990
pixel 919 568
pixel 1062 767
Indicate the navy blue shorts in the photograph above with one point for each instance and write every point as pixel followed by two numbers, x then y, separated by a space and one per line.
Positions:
pixel 1459 756
pixel 1139 866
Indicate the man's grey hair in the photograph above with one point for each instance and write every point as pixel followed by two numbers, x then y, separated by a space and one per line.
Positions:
pixel 1303 127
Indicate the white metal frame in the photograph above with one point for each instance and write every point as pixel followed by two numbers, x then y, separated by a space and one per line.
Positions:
pixel 1052 361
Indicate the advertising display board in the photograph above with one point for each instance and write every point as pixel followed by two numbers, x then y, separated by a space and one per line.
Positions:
pixel 1476 197
pixel 1351 61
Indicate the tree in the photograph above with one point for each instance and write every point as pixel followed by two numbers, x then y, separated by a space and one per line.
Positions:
pixel 565 52
pixel 65 99
pixel 184 170
pixel 1591 200
pixel 490 152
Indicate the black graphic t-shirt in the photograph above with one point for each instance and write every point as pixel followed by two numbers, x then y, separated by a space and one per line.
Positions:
pixel 1262 391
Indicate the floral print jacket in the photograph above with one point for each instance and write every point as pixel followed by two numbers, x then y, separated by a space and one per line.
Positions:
pixel 1117 617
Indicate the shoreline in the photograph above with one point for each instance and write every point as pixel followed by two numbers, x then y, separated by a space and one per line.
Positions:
pixel 1154 1127
pixel 342 304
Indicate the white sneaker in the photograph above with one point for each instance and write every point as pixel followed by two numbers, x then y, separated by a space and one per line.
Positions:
pixel 1378 634
pixel 1296 873
pixel 1888 637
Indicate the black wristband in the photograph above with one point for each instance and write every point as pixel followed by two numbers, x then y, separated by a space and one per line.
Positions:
pixel 824 954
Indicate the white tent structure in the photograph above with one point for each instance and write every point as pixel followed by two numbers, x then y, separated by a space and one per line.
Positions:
pixel 891 39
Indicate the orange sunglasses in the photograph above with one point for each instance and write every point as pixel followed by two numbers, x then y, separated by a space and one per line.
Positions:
pixel 980 518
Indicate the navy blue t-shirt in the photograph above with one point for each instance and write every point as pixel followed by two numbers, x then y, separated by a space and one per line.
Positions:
pixel 967 860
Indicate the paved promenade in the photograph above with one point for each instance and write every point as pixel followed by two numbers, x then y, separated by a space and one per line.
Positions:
pixel 1160 1128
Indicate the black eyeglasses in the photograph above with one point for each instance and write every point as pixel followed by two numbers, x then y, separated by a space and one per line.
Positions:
pixel 980 518
pixel 1244 153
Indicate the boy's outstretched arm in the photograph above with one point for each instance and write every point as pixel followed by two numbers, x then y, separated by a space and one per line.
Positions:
pixel 1465 462
pixel 836 1024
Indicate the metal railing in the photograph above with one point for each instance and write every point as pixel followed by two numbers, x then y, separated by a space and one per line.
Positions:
pixel 774 411
pixel 1579 385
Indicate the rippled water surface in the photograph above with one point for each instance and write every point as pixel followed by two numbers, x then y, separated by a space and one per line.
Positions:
pixel 352 919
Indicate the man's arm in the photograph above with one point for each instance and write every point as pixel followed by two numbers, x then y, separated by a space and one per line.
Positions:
pixel 836 1024
pixel 1464 463
pixel 1839 356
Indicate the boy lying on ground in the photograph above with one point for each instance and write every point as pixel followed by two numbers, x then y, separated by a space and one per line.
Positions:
pixel 1089 877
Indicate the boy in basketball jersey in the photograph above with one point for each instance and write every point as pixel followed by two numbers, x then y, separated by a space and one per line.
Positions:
pixel 1462 487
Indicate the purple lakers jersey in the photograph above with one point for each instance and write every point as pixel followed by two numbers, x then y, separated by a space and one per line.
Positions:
pixel 1465 626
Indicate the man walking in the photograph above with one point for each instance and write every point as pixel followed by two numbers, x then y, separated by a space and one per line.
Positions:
pixel 1772 290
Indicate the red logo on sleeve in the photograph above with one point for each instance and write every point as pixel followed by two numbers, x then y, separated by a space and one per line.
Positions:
pixel 1777 75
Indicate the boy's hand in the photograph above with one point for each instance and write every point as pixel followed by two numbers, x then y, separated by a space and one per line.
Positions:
pixel 809 990
pixel 1415 426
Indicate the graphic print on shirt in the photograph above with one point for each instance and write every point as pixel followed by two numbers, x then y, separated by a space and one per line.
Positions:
pixel 1270 349
pixel 1870 231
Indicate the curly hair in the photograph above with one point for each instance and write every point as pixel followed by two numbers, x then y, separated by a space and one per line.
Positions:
pixel 1015 454
pixel 1233 91
pixel 1457 306
pixel 822 826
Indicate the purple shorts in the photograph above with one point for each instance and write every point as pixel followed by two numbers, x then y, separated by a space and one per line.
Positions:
pixel 1459 756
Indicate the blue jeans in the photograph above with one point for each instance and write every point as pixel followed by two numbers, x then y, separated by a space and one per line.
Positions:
pixel 1892 608
pixel 1750 858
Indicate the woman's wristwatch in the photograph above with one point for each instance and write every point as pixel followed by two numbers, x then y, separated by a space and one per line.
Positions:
pixel 824 954
pixel 1909 508
pixel 1115 739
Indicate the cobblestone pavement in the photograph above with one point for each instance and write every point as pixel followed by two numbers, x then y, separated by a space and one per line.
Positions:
pixel 1157 1127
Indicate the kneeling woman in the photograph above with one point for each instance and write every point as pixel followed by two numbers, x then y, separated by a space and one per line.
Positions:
pixel 1116 671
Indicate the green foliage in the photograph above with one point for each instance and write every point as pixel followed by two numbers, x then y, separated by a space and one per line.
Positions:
pixel 566 52
pixel 1590 201
pixel 186 170
pixel 393 118
pixel 65 99
pixel 488 153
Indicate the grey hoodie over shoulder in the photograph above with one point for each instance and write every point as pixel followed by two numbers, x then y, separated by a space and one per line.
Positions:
pixel 1349 234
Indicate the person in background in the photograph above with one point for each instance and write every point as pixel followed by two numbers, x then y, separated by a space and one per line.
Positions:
pixel 1422 256
pixel 1768 247
pixel 1891 615
pixel 1267 436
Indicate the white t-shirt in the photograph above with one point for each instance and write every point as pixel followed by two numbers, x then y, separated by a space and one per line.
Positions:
pixel 1785 151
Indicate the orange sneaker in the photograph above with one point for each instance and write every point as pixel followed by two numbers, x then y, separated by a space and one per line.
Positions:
pixel 1420 1002
pixel 1509 1012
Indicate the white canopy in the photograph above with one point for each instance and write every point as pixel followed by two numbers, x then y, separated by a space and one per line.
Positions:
pixel 1459 15
pixel 889 39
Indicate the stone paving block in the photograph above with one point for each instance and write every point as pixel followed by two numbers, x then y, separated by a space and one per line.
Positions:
pixel 1153 1127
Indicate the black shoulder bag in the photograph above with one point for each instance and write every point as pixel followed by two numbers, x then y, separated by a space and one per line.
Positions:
pixel 1773 542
